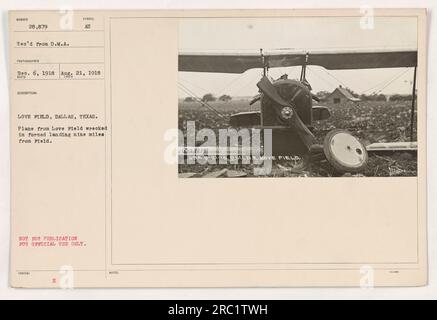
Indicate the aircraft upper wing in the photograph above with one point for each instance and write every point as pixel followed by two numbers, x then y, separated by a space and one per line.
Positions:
pixel 225 63
pixel 333 60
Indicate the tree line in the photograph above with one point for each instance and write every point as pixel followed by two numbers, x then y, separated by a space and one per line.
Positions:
pixel 210 97
pixel 322 95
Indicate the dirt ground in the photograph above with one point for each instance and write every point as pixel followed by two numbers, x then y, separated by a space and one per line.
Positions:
pixel 369 121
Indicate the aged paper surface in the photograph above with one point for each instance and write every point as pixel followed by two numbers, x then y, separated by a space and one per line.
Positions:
pixel 96 202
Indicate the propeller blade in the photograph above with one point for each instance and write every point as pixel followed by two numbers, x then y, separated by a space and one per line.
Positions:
pixel 295 122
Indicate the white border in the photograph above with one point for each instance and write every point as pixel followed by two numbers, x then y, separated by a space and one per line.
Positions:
pixel 428 292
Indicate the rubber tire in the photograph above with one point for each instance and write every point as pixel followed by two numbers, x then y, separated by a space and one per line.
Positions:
pixel 339 166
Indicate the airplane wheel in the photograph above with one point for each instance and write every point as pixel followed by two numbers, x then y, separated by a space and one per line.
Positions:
pixel 345 152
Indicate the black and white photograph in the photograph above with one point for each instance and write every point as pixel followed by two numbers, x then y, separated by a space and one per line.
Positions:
pixel 309 122
pixel 297 97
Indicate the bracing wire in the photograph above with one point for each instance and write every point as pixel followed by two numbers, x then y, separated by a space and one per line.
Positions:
pixel 222 90
pixel 334 77
pixel 193 85
pixel 251 81
pixel 196 98
pixel 386 83
pixel 318 76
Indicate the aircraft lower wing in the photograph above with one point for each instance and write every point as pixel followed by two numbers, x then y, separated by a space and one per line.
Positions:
pixel 389 147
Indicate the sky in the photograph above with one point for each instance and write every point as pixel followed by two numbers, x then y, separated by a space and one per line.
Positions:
pixel 297 33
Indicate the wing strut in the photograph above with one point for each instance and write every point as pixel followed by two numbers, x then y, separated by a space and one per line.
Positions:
pixel 413 102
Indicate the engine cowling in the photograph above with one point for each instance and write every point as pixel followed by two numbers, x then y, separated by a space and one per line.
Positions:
pixel 294 92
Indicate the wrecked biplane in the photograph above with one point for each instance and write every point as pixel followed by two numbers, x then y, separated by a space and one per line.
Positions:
pixel 287 105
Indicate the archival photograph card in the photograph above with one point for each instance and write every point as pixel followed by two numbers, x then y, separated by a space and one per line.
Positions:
pixel 218 148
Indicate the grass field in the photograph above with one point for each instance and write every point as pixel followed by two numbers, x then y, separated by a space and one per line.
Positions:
pixel 369 121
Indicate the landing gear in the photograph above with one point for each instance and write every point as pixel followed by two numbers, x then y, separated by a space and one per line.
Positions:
pixel 344 151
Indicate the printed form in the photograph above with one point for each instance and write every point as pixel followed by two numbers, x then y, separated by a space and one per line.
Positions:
pixel 98 201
